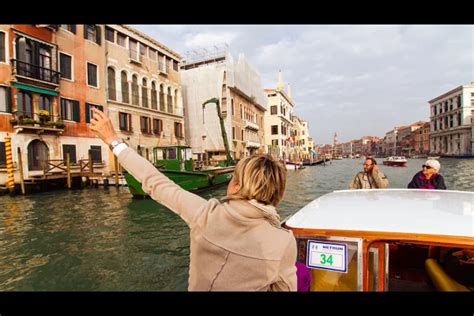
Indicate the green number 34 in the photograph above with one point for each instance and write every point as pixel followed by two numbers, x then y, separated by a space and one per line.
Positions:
pixel 325 260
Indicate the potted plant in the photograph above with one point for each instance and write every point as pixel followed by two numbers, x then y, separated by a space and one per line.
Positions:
pixel 43 116
pixel 50 123
pixel 59 124
pixel 28 121
pixel 13 121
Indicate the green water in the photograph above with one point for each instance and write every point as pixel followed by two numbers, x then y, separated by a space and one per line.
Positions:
pixel 103 240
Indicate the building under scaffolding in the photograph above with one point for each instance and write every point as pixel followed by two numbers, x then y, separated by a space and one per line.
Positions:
pixel 212 73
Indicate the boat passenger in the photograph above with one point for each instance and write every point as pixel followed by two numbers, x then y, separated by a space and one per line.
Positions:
pixel 428 177
pixel 370 178
pixel 236 243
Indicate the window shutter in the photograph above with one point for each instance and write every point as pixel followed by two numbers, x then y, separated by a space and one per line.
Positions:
pixel 85 30
pixel 98 34
pixel 9 99
pixel 73 28
pixel 88 113
pixel 75 111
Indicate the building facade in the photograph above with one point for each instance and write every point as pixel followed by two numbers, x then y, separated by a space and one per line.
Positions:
pixel 144 93
pixel 451 122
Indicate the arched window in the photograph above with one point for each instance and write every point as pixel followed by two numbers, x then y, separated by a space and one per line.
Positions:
pixel 135 90
pixel 162 98
pixel 125 92
pixel 111 83
pixel 144 93
pixel 154 99
pixel 176 100
pixel 170 101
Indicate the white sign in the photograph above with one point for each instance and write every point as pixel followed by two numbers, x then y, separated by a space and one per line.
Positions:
pixel 327 256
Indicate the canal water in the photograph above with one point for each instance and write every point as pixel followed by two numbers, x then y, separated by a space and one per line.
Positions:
pixel 103 240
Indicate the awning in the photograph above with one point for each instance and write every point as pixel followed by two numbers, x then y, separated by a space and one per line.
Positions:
pixel 34 89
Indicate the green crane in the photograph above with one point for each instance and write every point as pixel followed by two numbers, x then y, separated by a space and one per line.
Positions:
pixel 224 134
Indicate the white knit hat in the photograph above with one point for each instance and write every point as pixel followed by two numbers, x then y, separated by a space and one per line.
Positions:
pixel 433 164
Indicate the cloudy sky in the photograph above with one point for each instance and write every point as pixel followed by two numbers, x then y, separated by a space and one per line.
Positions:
pixel 355 80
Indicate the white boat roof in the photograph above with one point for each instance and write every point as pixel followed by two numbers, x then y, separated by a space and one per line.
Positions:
pixel 435 212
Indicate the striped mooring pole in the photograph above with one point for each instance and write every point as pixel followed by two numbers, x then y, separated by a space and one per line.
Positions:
pixel 8 152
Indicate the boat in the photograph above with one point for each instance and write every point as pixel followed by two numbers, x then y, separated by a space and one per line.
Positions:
pixel 433 157
pixel 395 161
pixel 175 162
pixel 290 165
pixel 383 239
pixel 338 157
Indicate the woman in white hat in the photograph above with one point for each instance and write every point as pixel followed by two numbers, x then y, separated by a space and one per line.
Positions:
pixel 428 177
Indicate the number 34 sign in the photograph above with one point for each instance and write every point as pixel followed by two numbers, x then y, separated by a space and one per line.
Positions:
pixel 327 256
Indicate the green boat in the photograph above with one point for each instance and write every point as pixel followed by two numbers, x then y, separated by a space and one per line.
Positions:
pixel 176 163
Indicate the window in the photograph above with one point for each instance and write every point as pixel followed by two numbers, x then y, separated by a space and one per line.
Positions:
pixel 71 149
pixel 232 106
pixel 92 33
pixel 459 100
pixel 124 83
pixel 152 54
pixel 459 119
pixel 178 129
pixel 242 135
pixel 109 34
pixel 3 155
pixel 274 129
pixel 121 39
pixel 144 93
pixel 92 75
pixel 162 98
pixel 2 47
pixel 233 132
pixel 89 113
pixel 5 104
pixel 157 126
pixel 170 101
pixel 24 105
pixel 168 61
pixel 274 142
pixel 154 97
pixel 134 90
pixel 65 66
pixel 111 84
pixel 96 153
pixel 70 27
pixel 125 121
pixel 142 49
pixel 45 104
pixel 273 110
pixel 145 125
pixel 241 111
pixel 133 49
pixel 451 121
pixel 70 110
pixel 175 65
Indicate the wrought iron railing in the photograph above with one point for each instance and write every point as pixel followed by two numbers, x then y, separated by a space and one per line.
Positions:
pixel 25 69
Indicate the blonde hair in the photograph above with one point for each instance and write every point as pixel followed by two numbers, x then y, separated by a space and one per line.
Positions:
pixel 261 178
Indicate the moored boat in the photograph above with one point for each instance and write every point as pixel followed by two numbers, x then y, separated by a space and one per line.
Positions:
pixel 175 162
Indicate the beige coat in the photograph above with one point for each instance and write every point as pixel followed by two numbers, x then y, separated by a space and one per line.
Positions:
pixel 236 245
pixel 375 180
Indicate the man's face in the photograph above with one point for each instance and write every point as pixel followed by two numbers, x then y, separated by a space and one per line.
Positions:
pixel 368 166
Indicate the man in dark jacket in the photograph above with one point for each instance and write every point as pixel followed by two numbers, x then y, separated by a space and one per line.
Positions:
pixel 428 177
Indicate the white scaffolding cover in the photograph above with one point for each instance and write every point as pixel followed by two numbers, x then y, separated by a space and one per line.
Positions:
pixel 205 82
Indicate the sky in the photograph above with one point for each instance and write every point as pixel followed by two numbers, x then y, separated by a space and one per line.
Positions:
pixel 355 80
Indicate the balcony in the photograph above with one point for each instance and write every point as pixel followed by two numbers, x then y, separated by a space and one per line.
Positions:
pixel 252 144
pixel 134 57
pixel 36 123
pixel 251 125
pixel 32 71
pixel 161 67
